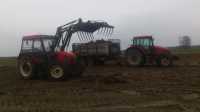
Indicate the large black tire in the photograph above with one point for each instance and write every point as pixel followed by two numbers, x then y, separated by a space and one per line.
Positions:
pixel 25 68
pixel 164 61
pixel 56 72
pixel 134 57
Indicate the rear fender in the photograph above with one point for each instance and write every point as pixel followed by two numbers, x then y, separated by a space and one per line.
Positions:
pixel 161 51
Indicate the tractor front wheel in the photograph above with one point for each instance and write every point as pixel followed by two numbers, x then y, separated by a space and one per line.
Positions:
pixel 56 72
pixel 164 61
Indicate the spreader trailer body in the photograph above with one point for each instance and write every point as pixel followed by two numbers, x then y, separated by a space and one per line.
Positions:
pixel 99 51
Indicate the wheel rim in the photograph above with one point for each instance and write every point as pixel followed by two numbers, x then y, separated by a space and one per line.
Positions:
pixel 165 62
pixel 25 69
pixel 56 72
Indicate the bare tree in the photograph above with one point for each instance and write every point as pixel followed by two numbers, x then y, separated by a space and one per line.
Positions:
pixel 185 41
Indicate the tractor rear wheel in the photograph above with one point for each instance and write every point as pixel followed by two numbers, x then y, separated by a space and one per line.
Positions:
pixel 164 61
pixel 56 72
pixel 26 68
pixel 134 57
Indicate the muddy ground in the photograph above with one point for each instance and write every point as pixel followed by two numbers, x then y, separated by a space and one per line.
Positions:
pixel 108 88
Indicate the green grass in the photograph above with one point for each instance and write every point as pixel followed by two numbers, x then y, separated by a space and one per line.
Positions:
pixel 7 61
pixel 191 50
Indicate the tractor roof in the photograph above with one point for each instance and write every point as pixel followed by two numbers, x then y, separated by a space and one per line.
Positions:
pixel 31 37
pixel 143 37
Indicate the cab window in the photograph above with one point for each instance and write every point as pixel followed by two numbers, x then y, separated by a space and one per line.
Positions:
pixel 27 45
pixel 147 43
pixel 37 46
pixel 47 44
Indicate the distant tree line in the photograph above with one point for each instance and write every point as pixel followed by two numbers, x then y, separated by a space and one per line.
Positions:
pixel 185 42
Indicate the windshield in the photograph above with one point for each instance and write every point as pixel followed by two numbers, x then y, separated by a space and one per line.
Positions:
pixel 143 42
pixel 47 44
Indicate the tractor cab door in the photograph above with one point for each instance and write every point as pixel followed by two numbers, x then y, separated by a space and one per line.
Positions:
pixel 146 44
pixel 39 56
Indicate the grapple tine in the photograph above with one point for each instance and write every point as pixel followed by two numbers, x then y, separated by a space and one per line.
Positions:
pixel 62 39
pixel 84 36
pixel 89 36
pixel 104 31
pixel 111 32
pixel 107 32
pixel 81 35
pixel 99 31
pixel 92 36
pixel 78 36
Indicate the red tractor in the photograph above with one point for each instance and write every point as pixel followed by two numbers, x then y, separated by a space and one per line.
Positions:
pixel 44 54
pixel 143 51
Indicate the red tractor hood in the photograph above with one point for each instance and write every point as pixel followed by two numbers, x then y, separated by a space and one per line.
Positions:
pixel 69 56
pixel 160 50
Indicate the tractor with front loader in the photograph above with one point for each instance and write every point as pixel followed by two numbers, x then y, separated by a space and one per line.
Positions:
pixel 143 51
pixel 48 54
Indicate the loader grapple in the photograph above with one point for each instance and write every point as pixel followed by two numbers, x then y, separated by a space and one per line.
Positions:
pixel 84 31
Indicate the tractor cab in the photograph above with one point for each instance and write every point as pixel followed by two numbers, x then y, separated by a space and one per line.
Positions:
pixel 143 41
pixel 36 43
pixel 40 48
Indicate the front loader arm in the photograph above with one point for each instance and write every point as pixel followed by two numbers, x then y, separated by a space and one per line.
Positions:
pixel 84 31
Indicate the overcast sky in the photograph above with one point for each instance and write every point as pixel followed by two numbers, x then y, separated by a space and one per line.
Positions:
pixel 166 20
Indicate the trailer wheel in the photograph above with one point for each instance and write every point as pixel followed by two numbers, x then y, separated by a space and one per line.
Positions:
pixel 56 72
pixel 134 57
pixel 26 68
